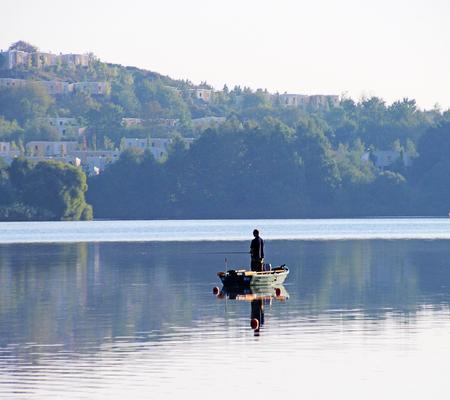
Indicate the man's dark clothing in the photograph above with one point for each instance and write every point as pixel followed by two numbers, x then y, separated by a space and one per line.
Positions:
pixel 257 253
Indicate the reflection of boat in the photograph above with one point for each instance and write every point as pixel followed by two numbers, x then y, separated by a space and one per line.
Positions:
pixel 258 297
pixel 278 292
pixel 242 277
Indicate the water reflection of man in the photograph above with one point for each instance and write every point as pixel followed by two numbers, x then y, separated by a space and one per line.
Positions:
pixel 257 252
pixel 257 314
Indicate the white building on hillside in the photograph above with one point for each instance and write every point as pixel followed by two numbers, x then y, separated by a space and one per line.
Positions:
pixel 94 162
pixel 39 59
pixel 293 100
pixel 159 147
pixel 384 158
pixel 10 82
pixel 7 154
pixel 56 87
pixel 318 101
pixel 12 58
pixel 75 59
pixel 93 88
pixel 52 87
pixel 323 101
pixel 202 94
pixel 66 126
pixel 132 122
pixel 50 149
pixel 5 148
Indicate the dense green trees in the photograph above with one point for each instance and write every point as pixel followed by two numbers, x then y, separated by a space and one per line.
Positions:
pixel 240 170
pixel 47 190
pixel 430 175
pixel 269 170
pixel 9 130
pixel 24 103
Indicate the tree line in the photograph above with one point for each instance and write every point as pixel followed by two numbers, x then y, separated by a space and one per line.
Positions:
pixel 46 190
pixel 270 170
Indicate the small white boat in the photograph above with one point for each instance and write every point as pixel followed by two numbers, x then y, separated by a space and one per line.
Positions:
pixel 243 277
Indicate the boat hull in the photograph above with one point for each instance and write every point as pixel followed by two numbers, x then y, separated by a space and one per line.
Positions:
pixel 244 278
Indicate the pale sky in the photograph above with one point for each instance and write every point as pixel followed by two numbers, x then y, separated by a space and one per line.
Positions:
pixel 387 48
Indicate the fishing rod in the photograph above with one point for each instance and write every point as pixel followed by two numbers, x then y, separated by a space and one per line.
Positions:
pixel 226 252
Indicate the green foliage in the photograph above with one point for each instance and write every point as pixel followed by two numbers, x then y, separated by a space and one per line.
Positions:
pixel 40 130
pixel 321 173
pixel 431 171
pixel 160 101
pixel 261 170
pixel 22 212
pixel 229 172
pixel 103 121
pixel 78 104
pixel 123 95
pixel 9 130
pixel 24 103
pixel 131 187
pixel 48 190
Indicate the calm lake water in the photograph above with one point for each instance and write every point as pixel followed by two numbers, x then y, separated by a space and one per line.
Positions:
pixel 119 310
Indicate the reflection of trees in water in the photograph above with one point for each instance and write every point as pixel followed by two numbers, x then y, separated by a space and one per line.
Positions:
pixel 38 292
pixel 80 294
pixel 373 276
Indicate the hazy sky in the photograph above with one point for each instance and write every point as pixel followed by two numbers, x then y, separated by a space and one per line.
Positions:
pixel 388 48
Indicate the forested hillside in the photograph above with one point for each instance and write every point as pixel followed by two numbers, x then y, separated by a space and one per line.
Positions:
pixel 265 158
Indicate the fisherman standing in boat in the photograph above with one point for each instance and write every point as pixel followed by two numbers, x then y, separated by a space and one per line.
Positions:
pixel 257 252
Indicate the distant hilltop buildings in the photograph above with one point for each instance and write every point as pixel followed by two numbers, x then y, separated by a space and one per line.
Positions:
pixel 92 162
pixel 303 100
pixel 61 87
pixel 23 54
pixel 14 58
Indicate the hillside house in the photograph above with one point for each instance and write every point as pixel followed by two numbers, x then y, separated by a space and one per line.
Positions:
pixel 94 162
pixel 159 147
pixel 39 59
pixel 13 58
pixel 56 87
pixel 5 147
pixel 75 59
pixel 92 88
pixel 320 101
pixel 64 125
pixel 293 100
pixel 202 94
pixel 7 154
pixel 315 101
pixel 10 82
pixel 50 149
pixel 131 122
pixel 385 158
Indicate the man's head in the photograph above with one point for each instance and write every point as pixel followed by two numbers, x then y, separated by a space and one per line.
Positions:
pixel 255 232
